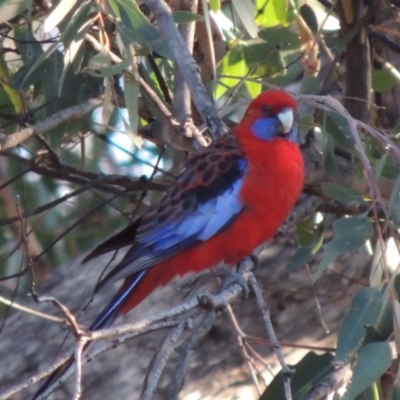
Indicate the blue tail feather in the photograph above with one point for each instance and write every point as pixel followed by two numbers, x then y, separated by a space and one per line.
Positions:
pixel 107 316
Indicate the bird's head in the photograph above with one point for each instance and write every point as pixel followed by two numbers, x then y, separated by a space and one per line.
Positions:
pixel 271 115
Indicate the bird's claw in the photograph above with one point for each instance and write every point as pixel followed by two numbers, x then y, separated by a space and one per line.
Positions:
pixel 255 260
pixel 230 277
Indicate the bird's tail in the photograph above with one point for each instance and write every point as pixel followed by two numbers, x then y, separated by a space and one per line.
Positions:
pixel 104 320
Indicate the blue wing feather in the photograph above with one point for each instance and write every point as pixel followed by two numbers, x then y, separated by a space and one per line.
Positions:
pixel 199 225
pixel 202 201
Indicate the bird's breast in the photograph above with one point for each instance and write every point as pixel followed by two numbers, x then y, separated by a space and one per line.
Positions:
pixel 273 183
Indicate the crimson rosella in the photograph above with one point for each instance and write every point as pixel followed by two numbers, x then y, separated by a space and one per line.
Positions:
pixel 230 197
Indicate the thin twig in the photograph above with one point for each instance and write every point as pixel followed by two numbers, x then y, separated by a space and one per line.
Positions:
pixel 185 350
pixel 159 361
pixel 78 362
pixel 286 371
pixel 28 310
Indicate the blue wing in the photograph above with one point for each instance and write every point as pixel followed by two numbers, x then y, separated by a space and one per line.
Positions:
pixel 202 201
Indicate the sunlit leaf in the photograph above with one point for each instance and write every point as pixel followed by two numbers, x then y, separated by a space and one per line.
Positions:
pixel 58 14
pixel 383 80
pixel 215 5
pixel 245 10
pixel 273 12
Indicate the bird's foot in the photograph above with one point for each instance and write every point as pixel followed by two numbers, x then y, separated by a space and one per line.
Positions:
pixel 195 284
pixel 255 260
pixel 230 277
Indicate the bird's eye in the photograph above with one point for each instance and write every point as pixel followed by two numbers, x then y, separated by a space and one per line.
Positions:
pixel 266 110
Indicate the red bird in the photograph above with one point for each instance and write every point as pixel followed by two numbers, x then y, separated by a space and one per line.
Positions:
pixel 230 198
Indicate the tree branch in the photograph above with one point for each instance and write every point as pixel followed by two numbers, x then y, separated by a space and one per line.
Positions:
pixel 188 66
pixel 75 112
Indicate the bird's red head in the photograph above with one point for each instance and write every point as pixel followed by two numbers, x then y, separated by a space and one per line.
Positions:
pixel 270 116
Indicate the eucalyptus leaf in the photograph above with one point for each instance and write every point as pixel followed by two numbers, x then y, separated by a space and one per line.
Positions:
pixel 370 307
pixel 215 5
pixel 141 30
pixel 280 37
pixel 273 12
pixel 380 165
pixel 58 13
pixel 131 88
pixel 311 369
pixel 340 193
pixel 350 234
pixel 309 16
pixel 383 80
pixel 183 17
pixel 337 126
pixel 394 204
pixel 372 362
pixel 245 10
pixel 299 259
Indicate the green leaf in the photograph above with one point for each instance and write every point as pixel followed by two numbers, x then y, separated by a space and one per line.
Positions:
pixel 337 126
pixel 99 61
pixel 245 11
pixel 310 370
pixel 141 30
pixel 215 5
pixel 378 264
pixel 396 320
pixel 74 53
pixel 310 240
pixel 350 234
pixel 131 88
pixel 306 122
pixel 370 307
pixel 183 17
pixel 394 204
pixel 283 11
pixel 273 12
pixel 380 165
pixel 340 193
pixel 391 171
pixel 27 45
pixel 383 80
pixel 309 16
pixel 300 258
pixel 305 232
pixel 280 37
pixel 309 85
pixel 373 361
pixel 14 97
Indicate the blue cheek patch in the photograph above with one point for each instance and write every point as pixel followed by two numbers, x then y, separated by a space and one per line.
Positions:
pixel 267 128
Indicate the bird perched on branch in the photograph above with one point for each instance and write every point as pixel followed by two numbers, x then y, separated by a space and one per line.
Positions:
pixel 231 197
